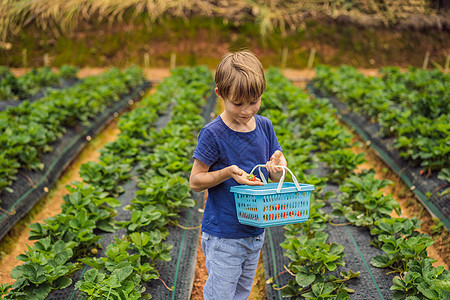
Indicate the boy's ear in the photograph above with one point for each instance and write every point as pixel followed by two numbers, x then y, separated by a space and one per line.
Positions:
pixel 217 92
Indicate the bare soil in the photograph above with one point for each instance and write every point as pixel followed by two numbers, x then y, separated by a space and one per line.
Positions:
pixel 152 74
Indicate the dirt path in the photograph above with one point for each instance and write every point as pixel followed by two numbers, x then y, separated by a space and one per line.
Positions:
pixel 160 73
pixel 151 74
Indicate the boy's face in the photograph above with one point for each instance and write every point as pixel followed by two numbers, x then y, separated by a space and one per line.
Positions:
pixel 242 112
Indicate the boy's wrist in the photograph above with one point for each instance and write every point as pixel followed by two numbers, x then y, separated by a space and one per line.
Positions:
pixel 230 171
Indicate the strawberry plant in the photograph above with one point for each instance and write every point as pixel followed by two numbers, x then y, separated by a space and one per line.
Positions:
pixel 310 128
pixel 113 276
pixel 68 72
pixel 148 217
pixel 396 227
pixel 84 210
pixel 124 147
pixel 163 191
pixel 399 251
pixel 362 202
pixel 341 163
pixel 407 105
pixel 422 281
pixel 311 259
pixel 9 87
pixel 33 81
pixel 106 175
pixel 329 136
pixel 46 267
pixel 88 210
pixel 41 123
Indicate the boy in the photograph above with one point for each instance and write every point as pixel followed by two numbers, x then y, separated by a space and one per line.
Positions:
pixel 228 148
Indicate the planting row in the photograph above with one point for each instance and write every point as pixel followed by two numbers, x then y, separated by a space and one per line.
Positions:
pixel 412 107
pixel 305 127
pixel 32 82
pixel 399 107
pixel 309 129
pixel 161 159
pixel 163 192
pixel 29 130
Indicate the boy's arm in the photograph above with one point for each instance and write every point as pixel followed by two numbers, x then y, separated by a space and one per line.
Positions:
pixel 278 159
pixel 201 179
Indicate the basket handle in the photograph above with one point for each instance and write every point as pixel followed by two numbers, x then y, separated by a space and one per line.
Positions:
pixel 280 184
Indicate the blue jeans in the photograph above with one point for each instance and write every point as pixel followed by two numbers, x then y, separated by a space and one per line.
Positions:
pixel 231 265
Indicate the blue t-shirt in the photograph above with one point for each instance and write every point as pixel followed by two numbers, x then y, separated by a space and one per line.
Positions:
pixel 219 146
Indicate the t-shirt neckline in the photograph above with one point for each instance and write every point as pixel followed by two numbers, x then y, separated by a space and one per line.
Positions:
pixel 240 132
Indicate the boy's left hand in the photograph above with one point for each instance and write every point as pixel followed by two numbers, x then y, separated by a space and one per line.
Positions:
pixel 276 159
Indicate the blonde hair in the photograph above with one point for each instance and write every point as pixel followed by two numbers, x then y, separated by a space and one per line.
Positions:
pixel 240 77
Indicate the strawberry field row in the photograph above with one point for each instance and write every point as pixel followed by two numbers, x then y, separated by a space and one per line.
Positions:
pixel 326 151
pixel 32 82
pixel 87 209
pixel 28 130
pixel 73 236
pixel 163 192
pixel 411 107
pixel 306 130
pixel 404 117
pixel 29 186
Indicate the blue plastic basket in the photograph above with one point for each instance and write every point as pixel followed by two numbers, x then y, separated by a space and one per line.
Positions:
pixel 274 203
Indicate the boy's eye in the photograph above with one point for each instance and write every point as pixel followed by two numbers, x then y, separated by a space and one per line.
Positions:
pixel 237 104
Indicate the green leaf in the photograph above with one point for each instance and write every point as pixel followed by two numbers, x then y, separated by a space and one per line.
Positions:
pixel 90 275
pixel 123 273
pixel 93 263
pixel 304 279
pixel 336 249
pixel 61 283
pixel 425 289
pixel 443 284
pixel 113 202
pixel 380 261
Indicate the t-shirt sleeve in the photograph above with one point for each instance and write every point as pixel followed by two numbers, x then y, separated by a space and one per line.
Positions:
pixel 206 150
pixel 274 144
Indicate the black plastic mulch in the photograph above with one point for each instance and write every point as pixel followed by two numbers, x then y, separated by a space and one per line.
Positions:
pixel 437 206
pixel 5 103
pixel 130 188
pixel 372 283
pixel 178 273
pixel 31 186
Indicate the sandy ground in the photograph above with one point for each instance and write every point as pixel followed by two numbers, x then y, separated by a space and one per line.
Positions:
pixel 151 74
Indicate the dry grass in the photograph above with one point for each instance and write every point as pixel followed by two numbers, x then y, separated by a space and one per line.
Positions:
pixel 63 16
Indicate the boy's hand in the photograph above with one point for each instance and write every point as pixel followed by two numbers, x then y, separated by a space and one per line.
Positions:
pixel 276 159
pixel 242 177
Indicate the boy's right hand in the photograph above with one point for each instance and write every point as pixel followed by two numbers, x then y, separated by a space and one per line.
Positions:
pixel 242 177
